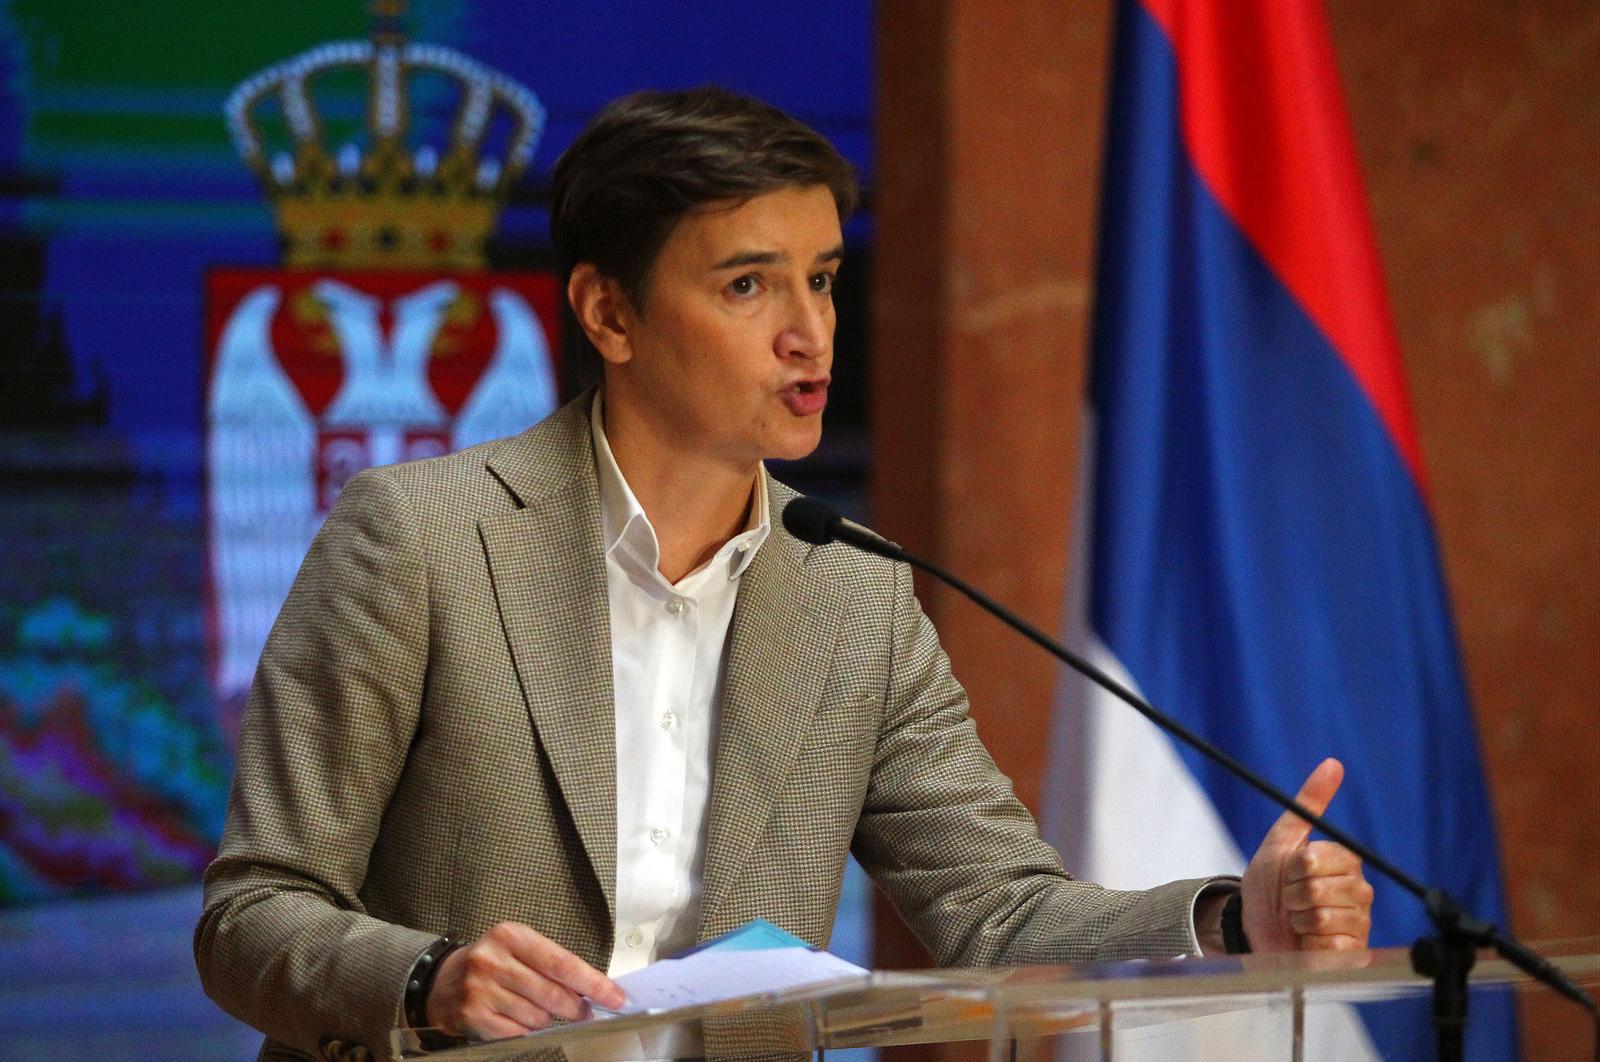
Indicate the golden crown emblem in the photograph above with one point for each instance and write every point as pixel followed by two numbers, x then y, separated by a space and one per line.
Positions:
pixel 385 204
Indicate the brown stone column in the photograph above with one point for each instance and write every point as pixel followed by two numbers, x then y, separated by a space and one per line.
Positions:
pixel 988 144
pixel 1476 128
pixel 1477 131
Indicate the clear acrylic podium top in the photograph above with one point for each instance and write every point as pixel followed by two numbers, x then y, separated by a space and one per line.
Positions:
pixel 1287 1004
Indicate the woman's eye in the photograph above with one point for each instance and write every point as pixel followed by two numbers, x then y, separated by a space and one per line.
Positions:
pixel 822 283
pixel 745 285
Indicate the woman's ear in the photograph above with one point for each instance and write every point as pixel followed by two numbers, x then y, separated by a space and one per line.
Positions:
pixel 602 311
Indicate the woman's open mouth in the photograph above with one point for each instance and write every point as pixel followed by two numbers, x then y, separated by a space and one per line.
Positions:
pixel 806 398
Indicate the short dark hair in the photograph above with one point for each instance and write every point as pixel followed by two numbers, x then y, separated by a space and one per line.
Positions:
pixel 650 158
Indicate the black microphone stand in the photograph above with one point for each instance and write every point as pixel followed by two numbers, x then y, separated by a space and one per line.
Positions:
pixel 1447 957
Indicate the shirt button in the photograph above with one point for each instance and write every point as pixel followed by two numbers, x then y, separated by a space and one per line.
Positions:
pixel 676 606
pixel 633 939
pixel 658 836
pixel 667 720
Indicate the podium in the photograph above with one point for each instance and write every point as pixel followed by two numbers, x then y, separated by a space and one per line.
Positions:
pixel 1287 1006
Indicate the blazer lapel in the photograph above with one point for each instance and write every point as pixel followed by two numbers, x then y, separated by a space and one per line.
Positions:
pixel 781 643
pixel 548 572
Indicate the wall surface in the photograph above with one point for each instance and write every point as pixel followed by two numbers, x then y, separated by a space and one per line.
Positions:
pixel 1479 131
pixel 1478 127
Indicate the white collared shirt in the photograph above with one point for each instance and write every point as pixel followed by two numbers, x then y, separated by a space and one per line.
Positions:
pixel 667 642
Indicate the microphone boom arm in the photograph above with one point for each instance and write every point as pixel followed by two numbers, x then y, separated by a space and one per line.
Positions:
pixel 1447 958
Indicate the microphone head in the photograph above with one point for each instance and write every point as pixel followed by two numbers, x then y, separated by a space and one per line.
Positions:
pixel 810 520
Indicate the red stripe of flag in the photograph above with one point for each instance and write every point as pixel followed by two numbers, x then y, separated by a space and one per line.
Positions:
pixel 1264 121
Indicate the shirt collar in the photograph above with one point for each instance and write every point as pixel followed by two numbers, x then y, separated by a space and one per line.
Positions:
pixel 625 527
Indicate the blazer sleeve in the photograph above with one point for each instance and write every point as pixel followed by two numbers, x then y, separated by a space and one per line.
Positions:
pixel 284 942
pixel 944 836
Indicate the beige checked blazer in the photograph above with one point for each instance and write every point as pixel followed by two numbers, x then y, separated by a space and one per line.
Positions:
pixel 429 746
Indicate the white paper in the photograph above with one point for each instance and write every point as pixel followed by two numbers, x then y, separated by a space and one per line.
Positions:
pixel 715 975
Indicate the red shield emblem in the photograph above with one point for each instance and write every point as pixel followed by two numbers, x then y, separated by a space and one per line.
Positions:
pixel 314 375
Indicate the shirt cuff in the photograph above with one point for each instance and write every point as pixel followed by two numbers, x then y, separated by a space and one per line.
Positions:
pixel 1214 887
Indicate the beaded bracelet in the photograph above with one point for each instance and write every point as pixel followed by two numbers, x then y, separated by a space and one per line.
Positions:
pixel 1234 942
pixel 423 971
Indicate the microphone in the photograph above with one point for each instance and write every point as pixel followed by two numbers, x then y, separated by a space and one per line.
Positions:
pixel 1446 958
pixel 817 522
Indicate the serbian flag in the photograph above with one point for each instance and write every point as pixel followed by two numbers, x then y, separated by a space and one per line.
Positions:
pixel 1255 548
